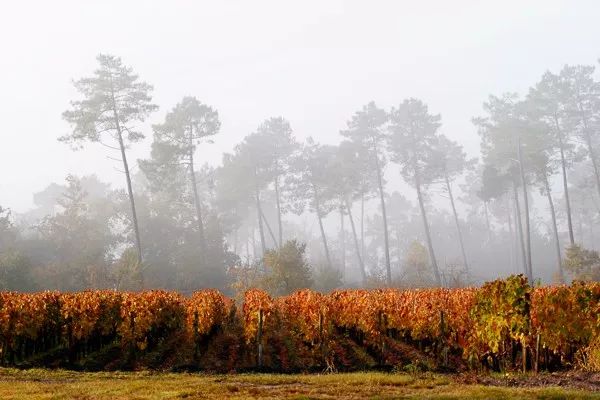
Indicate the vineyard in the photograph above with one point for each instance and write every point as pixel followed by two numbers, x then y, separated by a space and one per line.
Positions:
pixel 504 325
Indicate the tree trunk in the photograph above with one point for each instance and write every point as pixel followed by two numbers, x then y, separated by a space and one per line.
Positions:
pixel 278 201
pixel 588 141
pixel 520 229
pixel 580 226
pixel 358 252
pixel 323 237
pixel 266 222
pixel 594 162
pixel 487 221
pixel 388 267
pixel 511 242
pixel 248 249
pixel 526 205
pixel 136 228
pixel 554 229
pixel 362 225
pixel 259 216
pixel 198 206
pixel 460 238
pixel 432 257
pixel 343 240
pixel 563 165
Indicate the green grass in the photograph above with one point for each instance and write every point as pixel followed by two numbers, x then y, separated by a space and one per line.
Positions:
pixel 60 384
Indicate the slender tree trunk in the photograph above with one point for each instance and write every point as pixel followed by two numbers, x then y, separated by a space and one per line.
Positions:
pixel 323 236
pixel 432 257
pixel 554 228
pixel 198 206
pixel 343 240
pixel 520 229
pixel 362 225
pixel 592 240
pixel 278 201
pixel 131 199
pixel 247 249
pixel 254 249
pixel 259 216
pixel 266 222
pixel 460 238
pixel 511 243
pixel 487 221
pixel 526 206
pixel 563 165
pixel 356 246
pixel 386 239
pixel 580 225
pixel 590 147
pixel 136 228
pixel 594 162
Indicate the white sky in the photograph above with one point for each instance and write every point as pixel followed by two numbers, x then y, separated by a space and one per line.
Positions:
pixel 312 62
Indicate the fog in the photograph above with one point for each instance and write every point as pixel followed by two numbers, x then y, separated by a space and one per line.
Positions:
pixel 314 64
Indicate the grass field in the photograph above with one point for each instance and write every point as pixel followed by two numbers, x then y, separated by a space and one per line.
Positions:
pixel 60 384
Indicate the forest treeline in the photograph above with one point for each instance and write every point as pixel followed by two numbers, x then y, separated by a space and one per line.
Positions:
pixel 282 214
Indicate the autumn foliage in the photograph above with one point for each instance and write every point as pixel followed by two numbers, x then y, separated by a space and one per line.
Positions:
pixel 505 324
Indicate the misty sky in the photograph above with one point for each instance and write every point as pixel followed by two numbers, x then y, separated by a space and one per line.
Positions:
pixel 312 62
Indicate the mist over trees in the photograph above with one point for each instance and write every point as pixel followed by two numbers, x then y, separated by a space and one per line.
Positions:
pixel 395 202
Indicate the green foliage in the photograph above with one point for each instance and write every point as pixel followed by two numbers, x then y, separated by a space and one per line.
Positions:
pixel 286 269
pixel 80 240
pixel 583 264
pixel 501 313
pixel 127 271
pixel 113 98
pixel 413 139
pixel 15 271
pixel 417 270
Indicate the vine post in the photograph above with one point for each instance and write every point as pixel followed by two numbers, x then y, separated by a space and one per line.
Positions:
pixel 259 337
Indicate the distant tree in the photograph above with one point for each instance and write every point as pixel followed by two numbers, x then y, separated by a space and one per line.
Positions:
pixel 349 181
pixel 496 186
pixel 549 102
pixel 401 218
pixel 127 272
pixel 15 271
pixel 453 162
pixel 280 145
pixel 310 184
pixel 252 168
pixel 412 142
pixel 477 201
pixel 8 233
pixel 584 107
pixel 234 198
pixel 81 244
pixel 286 269
pixel 583 264
pixel 366 128
pixel 113 101
pixel 416 266
pixel 184 128
pixel 508 142
pixel 542 158
pixel 15 267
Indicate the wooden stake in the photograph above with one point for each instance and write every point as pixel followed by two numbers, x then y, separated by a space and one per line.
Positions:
pixel 259 337
pixel 524 345
pixel 537 353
